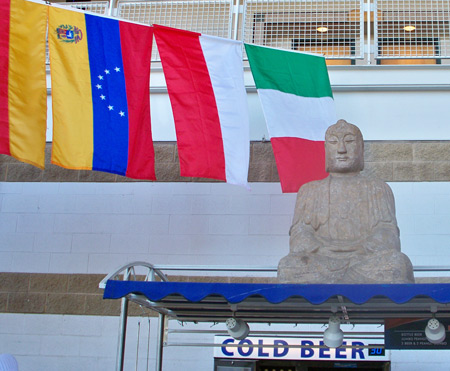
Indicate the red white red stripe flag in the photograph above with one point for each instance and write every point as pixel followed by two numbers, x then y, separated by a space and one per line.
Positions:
pixel 205 83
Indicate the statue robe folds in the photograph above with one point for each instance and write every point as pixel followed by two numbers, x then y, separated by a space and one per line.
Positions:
pixel 345 231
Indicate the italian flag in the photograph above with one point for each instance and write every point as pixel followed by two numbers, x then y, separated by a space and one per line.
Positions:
pixel 296 98
pixel 205 83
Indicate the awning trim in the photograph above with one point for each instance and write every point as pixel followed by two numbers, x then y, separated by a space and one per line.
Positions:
pixel 277 293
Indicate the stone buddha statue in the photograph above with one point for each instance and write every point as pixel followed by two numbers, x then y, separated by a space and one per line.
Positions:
pixel 344 228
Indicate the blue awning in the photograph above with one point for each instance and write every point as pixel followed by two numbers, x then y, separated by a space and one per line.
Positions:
pixel 277 293
pixel 284 302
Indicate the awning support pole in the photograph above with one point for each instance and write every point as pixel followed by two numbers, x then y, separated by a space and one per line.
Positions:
pixel 160 345
pixel 122 334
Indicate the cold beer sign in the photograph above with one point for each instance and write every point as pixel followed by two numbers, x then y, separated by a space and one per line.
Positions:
pixel 298 349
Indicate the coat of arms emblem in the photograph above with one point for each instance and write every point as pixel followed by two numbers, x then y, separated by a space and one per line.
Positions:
pixel 69 34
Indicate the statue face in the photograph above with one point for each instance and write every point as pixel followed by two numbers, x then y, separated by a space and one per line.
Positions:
pixel 344 150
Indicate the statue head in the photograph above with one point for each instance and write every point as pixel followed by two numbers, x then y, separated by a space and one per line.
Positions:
pixel 344 148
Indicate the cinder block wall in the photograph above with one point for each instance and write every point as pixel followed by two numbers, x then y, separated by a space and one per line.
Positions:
pixel 62 231
pixel 55 235
pixel 52 249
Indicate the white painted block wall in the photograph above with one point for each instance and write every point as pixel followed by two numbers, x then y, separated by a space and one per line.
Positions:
pixel 96 227
pixel 58 342
pixel 89 343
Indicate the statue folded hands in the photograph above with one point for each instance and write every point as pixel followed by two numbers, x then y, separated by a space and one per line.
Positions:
pixel 344 228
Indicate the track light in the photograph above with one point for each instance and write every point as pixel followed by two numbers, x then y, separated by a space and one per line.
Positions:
pixel 237 328
pixel 333 335
pixel 435 331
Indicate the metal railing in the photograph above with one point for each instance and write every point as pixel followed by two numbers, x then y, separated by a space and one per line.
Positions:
pixel 344 31
pixel 99 7
pixel 140 270
pixel 329 27
pixel 416 29
pixel 208 17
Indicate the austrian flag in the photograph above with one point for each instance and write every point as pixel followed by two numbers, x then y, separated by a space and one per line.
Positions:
pixel 205 82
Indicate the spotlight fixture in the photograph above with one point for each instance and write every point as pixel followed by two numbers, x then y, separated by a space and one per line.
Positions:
pixel 322 29
pixel 333 335
pixel 435 331
pixel 409 28
pixel 237 328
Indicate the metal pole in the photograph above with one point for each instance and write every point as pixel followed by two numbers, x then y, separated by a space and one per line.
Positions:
pixel 369 36
pixel 122 334
pixel 148 343
pixel 137 346
pixel 160 341
pixel 112 4
pixel 236 19
pixel 123 327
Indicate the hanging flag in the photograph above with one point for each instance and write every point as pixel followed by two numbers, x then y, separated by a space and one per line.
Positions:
pixel 205 82
pixel 100 72
pixel 23 92
pixel 296 98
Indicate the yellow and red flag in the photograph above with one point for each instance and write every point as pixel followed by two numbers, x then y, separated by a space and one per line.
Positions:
pixel 100 94
pixel 23 93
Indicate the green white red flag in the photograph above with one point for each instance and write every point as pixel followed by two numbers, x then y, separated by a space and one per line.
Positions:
pixel 297 101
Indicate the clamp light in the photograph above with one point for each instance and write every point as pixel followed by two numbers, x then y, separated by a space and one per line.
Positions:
pixel 237 328
pixel 333 335
pixel 435 331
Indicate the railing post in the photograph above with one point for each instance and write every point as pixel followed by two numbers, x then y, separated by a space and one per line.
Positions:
pixel 236 12
pixel 369 36
pixel 123 327
pixel 122 334
pixel 152 274
pixel 112 5
pixel 160 341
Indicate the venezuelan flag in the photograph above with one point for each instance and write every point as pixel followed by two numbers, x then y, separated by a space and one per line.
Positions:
pixel 100 73
pixel 23 93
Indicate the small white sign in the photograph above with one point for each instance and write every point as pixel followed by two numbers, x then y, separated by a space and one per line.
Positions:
pixel 291 348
